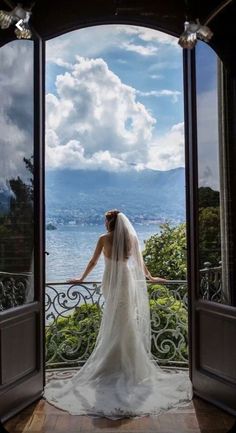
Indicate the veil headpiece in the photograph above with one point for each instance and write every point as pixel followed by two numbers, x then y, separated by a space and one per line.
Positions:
pixel 127 283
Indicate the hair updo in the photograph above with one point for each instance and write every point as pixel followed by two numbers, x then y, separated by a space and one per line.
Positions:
pixel 111 216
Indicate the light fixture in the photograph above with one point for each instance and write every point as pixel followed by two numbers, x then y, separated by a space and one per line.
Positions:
pixel 18 16
pixel 192 32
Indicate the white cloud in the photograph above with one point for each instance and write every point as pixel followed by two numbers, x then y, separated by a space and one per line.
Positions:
pixel 97 40
pixel 163 65
pixel 61 44
pixel 72 156
pixel 208 139
pixel 174 94
pixel 59 62
pixel 149 50
pixel 156 76
pixel 149 35
pixel 95 120
pixel 167 152
pixel 16 109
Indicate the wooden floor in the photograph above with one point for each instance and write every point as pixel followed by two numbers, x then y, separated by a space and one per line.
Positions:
pixel 199 417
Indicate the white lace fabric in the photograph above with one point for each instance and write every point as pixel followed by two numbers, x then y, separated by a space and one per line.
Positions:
pixel 121 378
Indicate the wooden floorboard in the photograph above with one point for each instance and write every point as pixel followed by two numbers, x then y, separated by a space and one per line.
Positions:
pixel 198 417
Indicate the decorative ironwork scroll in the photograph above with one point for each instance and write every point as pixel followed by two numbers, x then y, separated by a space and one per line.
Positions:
pixel 211 283
pixel 73 315
pixel 14 289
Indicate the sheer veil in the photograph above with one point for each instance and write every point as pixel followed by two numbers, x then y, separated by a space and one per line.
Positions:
pixel 125 324
pixel 126 252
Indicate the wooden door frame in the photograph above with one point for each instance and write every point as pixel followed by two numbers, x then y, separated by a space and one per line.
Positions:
pixel 191 188
pixel 39 178
pixel 28 387
pixel 216 386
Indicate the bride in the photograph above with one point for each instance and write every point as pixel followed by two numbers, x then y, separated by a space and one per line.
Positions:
pixel 121 378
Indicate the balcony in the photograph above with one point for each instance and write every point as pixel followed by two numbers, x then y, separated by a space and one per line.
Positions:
pixel 73 314
pixel 72 318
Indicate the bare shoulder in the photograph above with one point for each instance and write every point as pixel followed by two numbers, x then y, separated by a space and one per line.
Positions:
pixel 106 238
pixel 102 238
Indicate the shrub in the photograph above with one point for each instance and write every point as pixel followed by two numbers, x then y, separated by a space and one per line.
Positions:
pixel 73 337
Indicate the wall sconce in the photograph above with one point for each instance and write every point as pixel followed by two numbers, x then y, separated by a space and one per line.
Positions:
pixel 20 18
pixel 194 30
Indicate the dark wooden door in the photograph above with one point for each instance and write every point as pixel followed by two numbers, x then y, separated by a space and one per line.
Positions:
pixel 21 225
pixel 211 254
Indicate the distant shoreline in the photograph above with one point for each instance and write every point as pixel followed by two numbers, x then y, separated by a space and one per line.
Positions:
pixel 135 223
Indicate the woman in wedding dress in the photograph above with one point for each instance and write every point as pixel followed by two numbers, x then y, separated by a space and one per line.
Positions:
pixel 121 378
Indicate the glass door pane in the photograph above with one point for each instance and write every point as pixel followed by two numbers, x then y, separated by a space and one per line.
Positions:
pixel 16 174
pixel 212 216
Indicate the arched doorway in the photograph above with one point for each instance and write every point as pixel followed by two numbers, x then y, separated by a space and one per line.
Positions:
pixel 222 386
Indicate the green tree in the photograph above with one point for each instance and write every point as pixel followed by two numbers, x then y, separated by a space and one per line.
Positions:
pixel 207 197
pixel 72 338
pixel 209 236
pixel 209 226
pixel 16 225
pixel 165 252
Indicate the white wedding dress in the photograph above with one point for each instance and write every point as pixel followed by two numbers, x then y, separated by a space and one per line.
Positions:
pixel 121 379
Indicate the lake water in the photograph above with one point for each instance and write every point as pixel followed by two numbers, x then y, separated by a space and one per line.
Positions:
pixel 71 247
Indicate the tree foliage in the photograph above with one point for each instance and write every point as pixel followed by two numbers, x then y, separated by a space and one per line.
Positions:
pixel 165 252
pixel 207 197
pixel 17 224
pixel 72 338
pixel 209 226
pixel 209 236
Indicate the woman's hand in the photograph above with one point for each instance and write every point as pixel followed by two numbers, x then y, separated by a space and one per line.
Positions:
pixel 74 280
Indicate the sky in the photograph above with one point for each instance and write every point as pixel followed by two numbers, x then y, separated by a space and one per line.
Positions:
pixel 16 109
pixel 207 117
pixel 114 100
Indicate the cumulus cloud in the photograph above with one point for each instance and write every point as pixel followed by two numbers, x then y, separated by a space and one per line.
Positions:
pixel 72 155
pixel 94 115
pixel 59 62
pixel 95 121
pixel 16 109
pixel 167 152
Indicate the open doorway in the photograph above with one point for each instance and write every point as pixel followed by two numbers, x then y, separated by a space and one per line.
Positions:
pixel 21 203
pixel 114 139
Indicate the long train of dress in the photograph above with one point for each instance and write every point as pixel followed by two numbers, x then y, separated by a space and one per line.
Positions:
pixel 120 379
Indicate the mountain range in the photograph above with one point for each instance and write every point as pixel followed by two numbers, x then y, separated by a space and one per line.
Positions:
pixel 143 195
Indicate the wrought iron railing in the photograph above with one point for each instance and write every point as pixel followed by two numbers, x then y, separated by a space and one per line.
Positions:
pixel 15 289
pixel 211 283
pixel 73 315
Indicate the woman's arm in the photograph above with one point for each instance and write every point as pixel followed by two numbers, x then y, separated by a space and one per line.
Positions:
pixel 146 271
pixel 92 262
pixel 151 278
